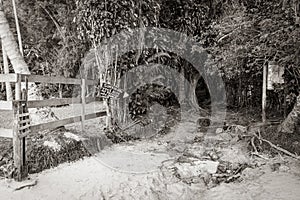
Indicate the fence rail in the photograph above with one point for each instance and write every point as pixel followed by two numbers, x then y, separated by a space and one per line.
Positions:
pixel 22 126
pixel 59 102
pixel 62 122
pixel 6 105
pixel 7 133
pixel 13 78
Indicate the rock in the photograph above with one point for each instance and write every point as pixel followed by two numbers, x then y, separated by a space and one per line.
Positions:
pixel 178 147
pixel 235 155
pixel 235 139
pixel 53 145
pixel 198 138
pixel 203 124
pixel 283 168
pixel 212 154
pixel 275 166
pixel 219 130
pixel 225 136
pixel 72 136
pixel 196 168
pixel 250 174
pixel 240 129
pixel 95 143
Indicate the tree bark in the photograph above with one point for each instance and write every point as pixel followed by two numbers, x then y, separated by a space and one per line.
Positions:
pixel 11 49
pixel 290 124
pixel 10 45
pixel 9 95
pixel 20 67
pixel 181 87
pixel 192 91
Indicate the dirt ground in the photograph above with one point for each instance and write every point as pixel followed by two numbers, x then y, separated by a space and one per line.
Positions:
pixel 178 165
pixel 120 173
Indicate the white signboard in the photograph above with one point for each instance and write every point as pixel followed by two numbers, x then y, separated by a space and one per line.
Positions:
pixel 275 75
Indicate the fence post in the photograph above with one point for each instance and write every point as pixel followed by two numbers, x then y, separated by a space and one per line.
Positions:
pixel 19 150
pixel 83 92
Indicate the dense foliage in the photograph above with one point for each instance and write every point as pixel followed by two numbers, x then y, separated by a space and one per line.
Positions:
pixel 249 38
pixel 240 35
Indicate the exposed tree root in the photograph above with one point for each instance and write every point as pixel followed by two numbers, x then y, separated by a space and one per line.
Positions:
pixel 257 136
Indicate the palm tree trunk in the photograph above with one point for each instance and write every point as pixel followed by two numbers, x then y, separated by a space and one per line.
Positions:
pixel 16 59
pixel 290 124
pixel 18 27
pixel 10 46
pixel 9 96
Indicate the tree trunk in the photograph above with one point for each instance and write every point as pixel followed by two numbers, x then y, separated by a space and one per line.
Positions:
pixel 16 59
pixel 192 92
pixel 10 45
pixel 182 97
pixel 290 124
pixel 9 95
pixel 11 49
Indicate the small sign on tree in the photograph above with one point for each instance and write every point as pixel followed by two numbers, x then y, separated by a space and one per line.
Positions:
pixel 109 91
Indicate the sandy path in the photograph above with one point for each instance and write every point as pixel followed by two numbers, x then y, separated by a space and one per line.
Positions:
pixel 271 186
pixel 89 179
pixel 112 174
pixel 134 171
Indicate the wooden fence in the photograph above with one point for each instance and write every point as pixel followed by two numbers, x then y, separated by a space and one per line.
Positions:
pixel 22 124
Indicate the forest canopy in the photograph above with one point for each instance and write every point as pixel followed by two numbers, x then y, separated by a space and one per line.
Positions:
pixel 241 36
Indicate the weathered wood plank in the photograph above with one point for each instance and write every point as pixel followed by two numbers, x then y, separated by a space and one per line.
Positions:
pixel 92 99
pixel 6 105
pixel 23 121
pixel 24 127
pixel 83 92
pixel 54 124
pixel 62 122
pixel 53 79
pixel 7 133
pixel 23 115
pixel 95 115
pixel 24 134
pixel 91 82
pixel 59 102
pixel 17 142
pixel 12 78
pixel 52 102
pixel 56 79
